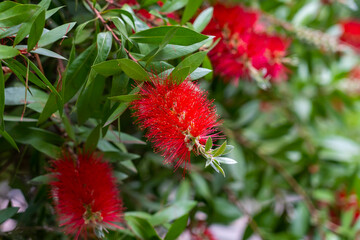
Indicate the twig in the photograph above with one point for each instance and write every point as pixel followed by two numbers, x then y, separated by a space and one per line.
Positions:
pixel 242 208
pixel 98 15
pixel 288 178
pixel 39 63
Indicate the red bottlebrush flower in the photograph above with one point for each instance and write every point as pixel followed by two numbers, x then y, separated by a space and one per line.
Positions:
pixel 351 33
pixel 202 232
pixel 177 116
pixel 85 194
pixel 242 45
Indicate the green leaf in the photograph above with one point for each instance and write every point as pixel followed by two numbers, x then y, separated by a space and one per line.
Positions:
pixel 217 167
pixel 225 160
pixel 201 186
pixel 208 144
pixel 8 52
pixel 42 140
pixel 36 30
pixel 169 35
pixel 48 53
pixel 2 98
pixel 172 212
pixel 108 68
pixel 193 61
pixel 43 78
pixel 119 109
pixel 7 5
pixel 133 70
pixel 9 32
pixel 21 72
pixel 173 5
pixel 93 139
pixel 199 73
pixel 183 192
pixel 203 19
pixel 125 98
pixel 42 179
pixel 9 139
pixel 104 42
pixel 181 74
pixel 190 10
pixel 141 227
pixel 177 228
pixel 7 213
pixel 228 149
pixel 156 35
pixel 55 34
pixel 17 14
pixel 51 12
pixel 219 151
pixel 75 77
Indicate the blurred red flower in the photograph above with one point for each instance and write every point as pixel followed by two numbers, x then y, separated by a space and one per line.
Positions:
pixel 244 45
pixel 85 195
pixel 175 115
pixel 351 33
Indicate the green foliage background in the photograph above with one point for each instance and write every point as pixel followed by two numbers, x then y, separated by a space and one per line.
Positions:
pixel 293 157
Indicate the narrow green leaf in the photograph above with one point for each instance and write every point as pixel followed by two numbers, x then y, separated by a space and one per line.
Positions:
pixel 156 35
pixel 217 167
pixel 225 160
pixel 119 109
pixel 55 34
pixel 104 42
pixel 93 139
pixel 9 139
pixel 42 179
pixel 48 53
pixel 8 52
pixel 125 98
pixel 141 227
pixel 133 70
pixel 219 151
pixel 173 5
pixel 51 12
pixel 190 10
pixel 75 77
pixel 36 30
pixel 7 213
pixel 172 212
pixel 9 32
pixel 181 74
pixel 177 228
pixel 7 5
pixel 2 98
pixel 21 71
pixel 43 78
pixel 203 19
pixel 17 14
pixel 193 61
pixel 201 186
pixel 208 144
pixel 169 35
pixel 108 68
pixel 228 149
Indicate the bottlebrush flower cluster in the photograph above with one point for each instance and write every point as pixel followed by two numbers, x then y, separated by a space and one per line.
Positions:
pixel 244 46
pixel 85 195
pixel 177 116
pixel 345 202
pixel 351 33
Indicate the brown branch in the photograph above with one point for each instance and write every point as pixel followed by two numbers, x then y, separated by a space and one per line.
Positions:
pixel 241 207
pixel 98 15
pixel 288 178
pixel 39 63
